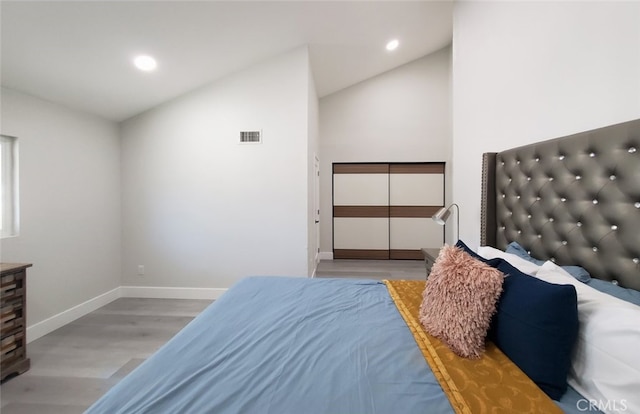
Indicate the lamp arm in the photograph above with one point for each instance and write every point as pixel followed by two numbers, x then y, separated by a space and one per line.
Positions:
pixel 457 221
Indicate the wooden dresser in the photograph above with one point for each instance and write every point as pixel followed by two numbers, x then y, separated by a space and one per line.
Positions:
pixel 13 317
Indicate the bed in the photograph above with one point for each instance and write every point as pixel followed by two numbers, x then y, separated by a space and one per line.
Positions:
pixel 298 345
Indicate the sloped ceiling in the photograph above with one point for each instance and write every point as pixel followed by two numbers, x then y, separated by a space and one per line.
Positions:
pixel 79 53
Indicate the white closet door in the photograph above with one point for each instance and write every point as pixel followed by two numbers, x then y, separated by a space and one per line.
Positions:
pixel 416 192
pixel 360 189
pixel 414 233
pixel 384 211
pixel 361 212
pixel 416 189
pixel 361 233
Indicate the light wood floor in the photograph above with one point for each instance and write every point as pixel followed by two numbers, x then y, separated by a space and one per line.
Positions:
pixel 373 269
pixel 76 364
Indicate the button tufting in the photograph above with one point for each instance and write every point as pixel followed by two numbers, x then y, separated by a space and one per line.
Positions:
pixel 614 282
pixel 637 204
pixel 539 236
pixel 550 178
pixel 636 260
pixel 578 177
pixel 579 224
pixel 595 201
pixel 519 231
pixel 612 177
pixel 537 159
pixel 551 219
pixel 564 242
pixel 528 215
pixel 593 154
pixel 518 197
pixel 528 178
pixel 518 162
pixel 563 199
pixel 614 227
pixel 553 259
pixel 595 249
pixel 538 198
pixel 561 157
pixel 632 150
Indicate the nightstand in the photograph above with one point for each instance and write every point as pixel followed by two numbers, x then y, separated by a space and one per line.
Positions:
pixel 430 256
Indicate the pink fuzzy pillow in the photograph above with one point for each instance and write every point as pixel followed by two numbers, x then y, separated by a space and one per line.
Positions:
pixel 459 299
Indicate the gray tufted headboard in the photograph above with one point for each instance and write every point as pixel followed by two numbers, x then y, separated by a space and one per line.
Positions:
pixel 574 200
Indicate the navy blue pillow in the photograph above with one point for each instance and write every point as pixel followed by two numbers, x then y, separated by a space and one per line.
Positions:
pixel 536 326
pixel 460 244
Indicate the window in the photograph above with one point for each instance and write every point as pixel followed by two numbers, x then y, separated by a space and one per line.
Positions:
pixel 9 181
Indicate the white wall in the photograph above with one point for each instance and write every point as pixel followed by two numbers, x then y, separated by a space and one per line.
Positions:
pixel 313 152
pixel 530 71
pixel 69 203
pixel 201 210
pixel 403 115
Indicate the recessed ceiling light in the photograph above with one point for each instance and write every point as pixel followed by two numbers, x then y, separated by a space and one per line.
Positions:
pixel 393 45
pixel 145 63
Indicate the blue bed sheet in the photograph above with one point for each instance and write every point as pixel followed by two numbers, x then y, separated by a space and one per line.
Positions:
pixel 287 345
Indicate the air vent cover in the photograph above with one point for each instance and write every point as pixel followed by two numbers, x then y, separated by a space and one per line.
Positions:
pixel 250 137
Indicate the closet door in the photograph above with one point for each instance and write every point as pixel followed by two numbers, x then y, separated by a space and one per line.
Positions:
pixel 361 211
pixel 416 192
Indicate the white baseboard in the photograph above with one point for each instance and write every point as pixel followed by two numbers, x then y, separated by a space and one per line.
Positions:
pixel 171 292
pixel 325 255
pixel 42 328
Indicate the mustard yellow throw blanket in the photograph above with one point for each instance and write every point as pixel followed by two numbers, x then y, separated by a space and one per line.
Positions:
pixel 491 384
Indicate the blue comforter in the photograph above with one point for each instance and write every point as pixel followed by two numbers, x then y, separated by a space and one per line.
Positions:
pixel 287 345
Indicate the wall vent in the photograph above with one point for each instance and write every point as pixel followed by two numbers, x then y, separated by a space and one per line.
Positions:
pixel 250 137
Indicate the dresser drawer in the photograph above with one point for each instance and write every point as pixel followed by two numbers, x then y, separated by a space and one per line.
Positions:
pixel 11 286
pixel 11 357
pixel 12 322
pixel 11 342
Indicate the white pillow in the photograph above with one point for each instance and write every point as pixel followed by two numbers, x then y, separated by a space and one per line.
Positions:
pixel 518 262
pixel 605 367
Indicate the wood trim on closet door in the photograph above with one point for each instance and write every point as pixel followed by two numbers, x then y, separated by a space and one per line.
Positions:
pixel 413 211
pixel 361 211
pixel 428 168
pixel 361 168
pixel 361 254
pixel 397 254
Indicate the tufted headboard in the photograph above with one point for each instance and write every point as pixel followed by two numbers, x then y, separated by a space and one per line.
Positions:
pixel 574 200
